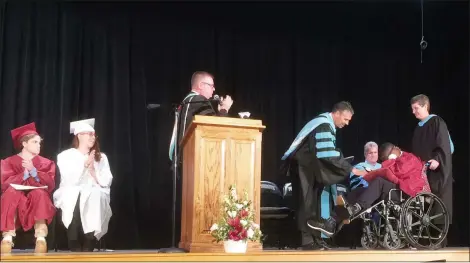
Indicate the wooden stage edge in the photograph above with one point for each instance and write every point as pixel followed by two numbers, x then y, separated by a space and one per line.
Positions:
pixel 448 254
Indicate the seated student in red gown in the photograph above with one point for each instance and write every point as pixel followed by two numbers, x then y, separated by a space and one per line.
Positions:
pixel 400 169
pixel 26 208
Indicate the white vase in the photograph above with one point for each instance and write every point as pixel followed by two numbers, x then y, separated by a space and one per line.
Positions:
pixel 231 246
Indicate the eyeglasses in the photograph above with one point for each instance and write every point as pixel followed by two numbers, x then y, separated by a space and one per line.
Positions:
pixel 92 134
pixel 210 85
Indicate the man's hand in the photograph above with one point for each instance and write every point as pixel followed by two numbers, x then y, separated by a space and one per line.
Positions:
pixel 28 164
pixel 91 158
pixel 225 103
pixel 359 172
pixel 433 164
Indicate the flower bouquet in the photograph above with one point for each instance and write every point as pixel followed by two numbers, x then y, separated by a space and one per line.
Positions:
pixel 236 226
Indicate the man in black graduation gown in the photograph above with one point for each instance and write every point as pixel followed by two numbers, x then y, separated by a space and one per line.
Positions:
pixel 197 102
pixel 432 142
pixel 313 162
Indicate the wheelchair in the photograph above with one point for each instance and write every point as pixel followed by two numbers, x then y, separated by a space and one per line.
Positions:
pixel 407 222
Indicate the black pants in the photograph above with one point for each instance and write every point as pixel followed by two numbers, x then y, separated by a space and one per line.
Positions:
pixel 378 189
pixel 307 197
pixel 77 239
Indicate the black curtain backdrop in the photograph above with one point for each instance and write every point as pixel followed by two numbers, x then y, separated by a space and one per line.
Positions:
pixel 285 63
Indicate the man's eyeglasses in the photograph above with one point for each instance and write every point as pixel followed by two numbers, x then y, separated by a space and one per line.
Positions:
pixel 210 85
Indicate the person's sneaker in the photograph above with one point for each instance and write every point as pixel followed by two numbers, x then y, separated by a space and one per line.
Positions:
pixel 341 209
pixel 346 211
pixel 353 210
pixel 326 226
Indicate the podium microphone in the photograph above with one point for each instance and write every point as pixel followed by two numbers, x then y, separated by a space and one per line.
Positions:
pixel 217 98
pixel 152 106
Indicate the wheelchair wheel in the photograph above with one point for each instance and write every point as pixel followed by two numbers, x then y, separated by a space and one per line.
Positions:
pixel 425 221
pixel 369 241
pixel 369 238
pixel 391 239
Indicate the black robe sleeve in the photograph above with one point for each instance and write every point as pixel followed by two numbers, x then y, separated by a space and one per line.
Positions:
pixel 441 152
pixel 202 106
pixel 199 105
pixel 324 146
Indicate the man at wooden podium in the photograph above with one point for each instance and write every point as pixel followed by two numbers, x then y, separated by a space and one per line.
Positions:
pixel 314 162
pixel 197 102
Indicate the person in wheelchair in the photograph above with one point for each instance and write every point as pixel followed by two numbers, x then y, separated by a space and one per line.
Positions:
pixel 400 170
pixel 371 154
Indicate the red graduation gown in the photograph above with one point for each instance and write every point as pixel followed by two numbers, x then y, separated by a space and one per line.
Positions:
pixel 406 171
pixel 28 205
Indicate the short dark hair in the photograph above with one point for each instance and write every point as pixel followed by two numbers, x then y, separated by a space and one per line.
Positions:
pixel 343 106
pixel 199 74
pixel 422 100
pixel 384 150
pixel 26 138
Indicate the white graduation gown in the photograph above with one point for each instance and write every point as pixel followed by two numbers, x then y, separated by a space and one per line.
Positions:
pixel 75 179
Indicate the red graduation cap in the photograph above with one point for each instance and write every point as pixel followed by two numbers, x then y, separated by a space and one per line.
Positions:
pixel 19 132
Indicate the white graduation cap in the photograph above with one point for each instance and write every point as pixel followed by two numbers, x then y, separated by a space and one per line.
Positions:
pixel 87 125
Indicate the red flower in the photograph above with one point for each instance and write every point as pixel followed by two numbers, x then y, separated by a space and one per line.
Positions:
pixel 243 213
pixel 238 228
pixel 233 235
pixel 243 234
pixel 233 222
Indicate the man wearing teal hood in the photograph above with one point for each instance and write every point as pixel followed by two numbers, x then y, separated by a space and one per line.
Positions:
pixel 314 162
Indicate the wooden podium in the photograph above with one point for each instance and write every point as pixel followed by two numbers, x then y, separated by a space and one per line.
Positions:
pixel 217 152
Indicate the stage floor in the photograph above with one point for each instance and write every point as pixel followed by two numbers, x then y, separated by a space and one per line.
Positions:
pixel 448 254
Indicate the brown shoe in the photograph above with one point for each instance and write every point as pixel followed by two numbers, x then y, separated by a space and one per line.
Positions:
pixel 6 247
pixel 41 246
pixel 340 201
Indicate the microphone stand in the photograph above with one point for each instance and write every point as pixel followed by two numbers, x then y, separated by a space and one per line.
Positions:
pixel 174 248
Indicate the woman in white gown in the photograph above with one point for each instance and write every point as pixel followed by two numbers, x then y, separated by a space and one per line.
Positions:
pixel 84 192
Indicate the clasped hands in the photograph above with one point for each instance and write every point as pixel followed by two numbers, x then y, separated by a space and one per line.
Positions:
pixel 89 164
pixel 225 103
pixel 28 165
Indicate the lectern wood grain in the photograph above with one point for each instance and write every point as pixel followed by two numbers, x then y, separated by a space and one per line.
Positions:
pixel 217 152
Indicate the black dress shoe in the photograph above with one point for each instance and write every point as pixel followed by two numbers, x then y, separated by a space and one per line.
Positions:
pixel 322 243
pixel 311 246
pixel 75 246
pixel 89 242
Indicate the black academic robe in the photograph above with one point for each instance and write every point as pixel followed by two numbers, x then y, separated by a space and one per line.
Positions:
pixel 199 105
pixel 312 167
pixel 431 141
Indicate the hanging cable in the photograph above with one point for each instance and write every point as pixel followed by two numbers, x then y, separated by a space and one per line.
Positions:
pixel 423 44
